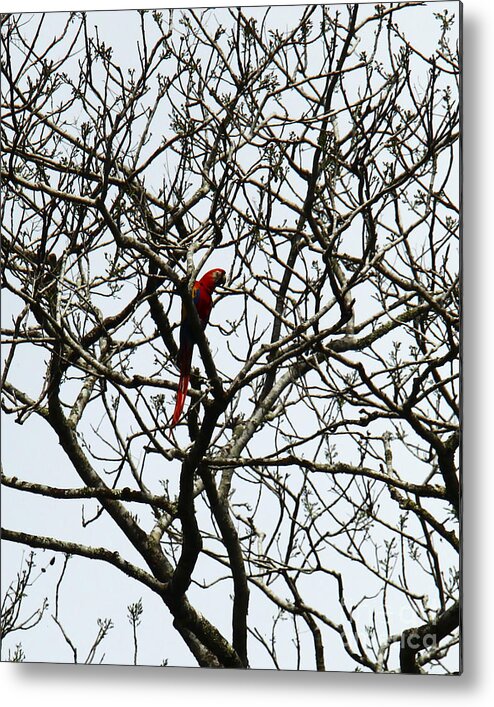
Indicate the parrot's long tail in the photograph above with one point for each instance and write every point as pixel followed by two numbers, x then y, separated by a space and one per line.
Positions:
pixel 184 362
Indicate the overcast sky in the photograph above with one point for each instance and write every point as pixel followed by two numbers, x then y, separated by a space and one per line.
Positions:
pixel 28 451
pixel 54 686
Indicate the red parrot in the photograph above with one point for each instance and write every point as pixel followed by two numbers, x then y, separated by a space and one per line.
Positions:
pixel 201 295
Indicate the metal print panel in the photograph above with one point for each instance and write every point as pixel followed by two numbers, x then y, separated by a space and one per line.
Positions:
pixel 230 323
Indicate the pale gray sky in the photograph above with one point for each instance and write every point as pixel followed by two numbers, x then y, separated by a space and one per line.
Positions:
pixel 28 451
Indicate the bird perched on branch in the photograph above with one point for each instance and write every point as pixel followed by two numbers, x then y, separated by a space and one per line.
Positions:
pixel 201 296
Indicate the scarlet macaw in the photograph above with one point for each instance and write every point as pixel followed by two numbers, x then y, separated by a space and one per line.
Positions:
pixel 201 296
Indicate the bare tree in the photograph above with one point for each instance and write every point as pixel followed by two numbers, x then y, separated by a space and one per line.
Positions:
pixel 14 617
pixel 314 475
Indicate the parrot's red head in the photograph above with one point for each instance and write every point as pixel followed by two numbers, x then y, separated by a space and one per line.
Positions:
pixel 213 278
